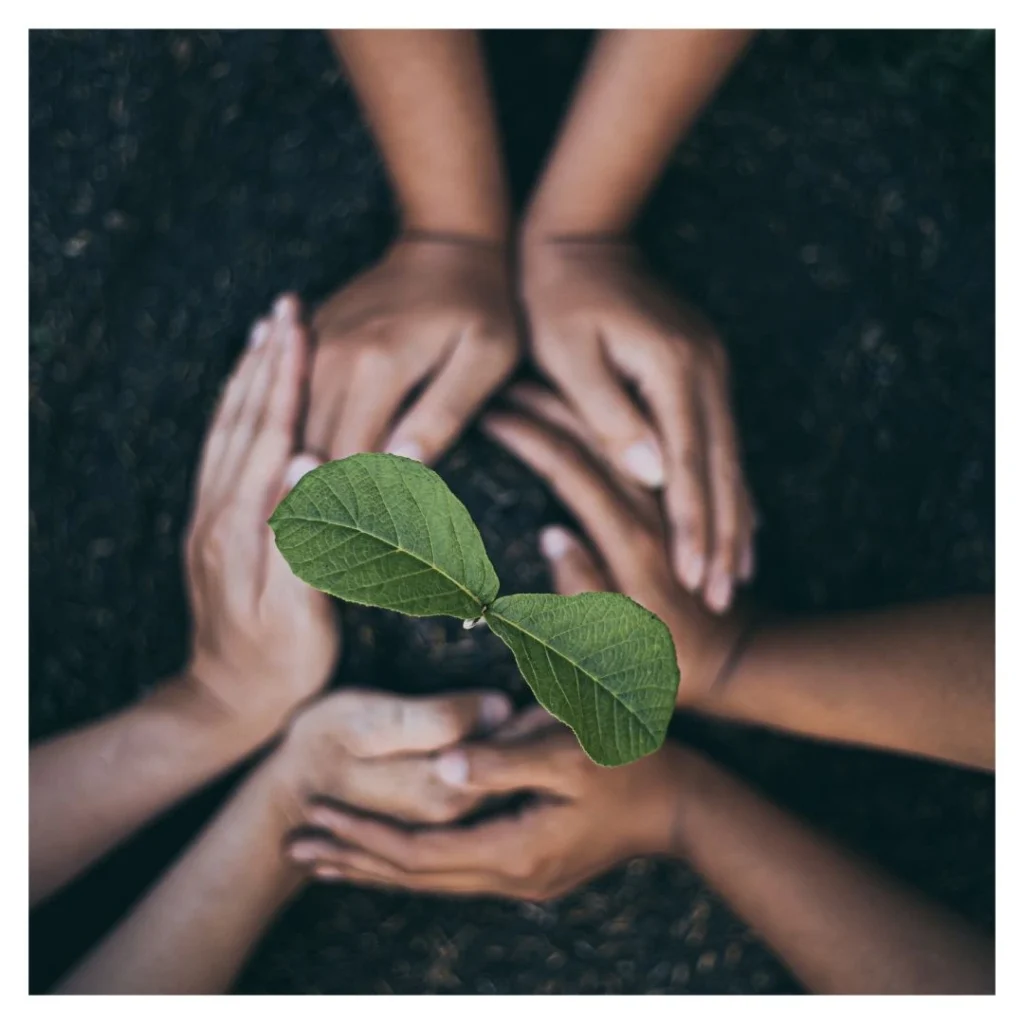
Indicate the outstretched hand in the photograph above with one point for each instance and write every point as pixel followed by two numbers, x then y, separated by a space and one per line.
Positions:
pixel 263 641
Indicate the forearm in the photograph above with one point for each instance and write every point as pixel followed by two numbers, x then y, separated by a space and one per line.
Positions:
pixel 640 92
pixel 91 788
pixel 919 679
pixel 427 100
pixel 839 924
pixel 195 928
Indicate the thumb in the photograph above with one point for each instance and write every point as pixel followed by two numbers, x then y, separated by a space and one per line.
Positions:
pixel 537 763
pixel 573 567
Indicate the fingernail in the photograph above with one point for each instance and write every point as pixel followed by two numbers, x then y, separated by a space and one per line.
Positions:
pixel 299 467
pixel 495 708
pixel 303 854
pixel 408 450
pixel 691 569
pixel 719 590
pixel 453 768
pixel 643 460
pixel 327 872
pixel 746 570
pixel 283 308
pixel 555 541
pixel 259 334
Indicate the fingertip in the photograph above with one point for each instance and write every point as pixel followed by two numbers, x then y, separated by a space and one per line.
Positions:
pixel 718 594
pixel 746 566
pixel 556 542
pixel 452 767
pixel 407 450
pixel 259 334
pixel 690 566
pixel 327 873
pixel 286 307
pixel 644 462
pixel 301 853
pixel 495 709
pixel 299 466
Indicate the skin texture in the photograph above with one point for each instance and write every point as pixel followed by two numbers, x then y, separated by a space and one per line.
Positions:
pixel 433 312
pixel 263 642
pixel 193 930
pixel 437 311
pixel 919 680
pixel 839 924
pixel 606 333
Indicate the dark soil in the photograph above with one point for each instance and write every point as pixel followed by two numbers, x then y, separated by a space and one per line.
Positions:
pixel 833 213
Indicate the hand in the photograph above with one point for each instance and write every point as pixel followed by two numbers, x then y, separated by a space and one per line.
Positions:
pixel 600 324
pixel 583 821
pixel 432 311
pixel 378 752
pixel 263 641
pixel 624 524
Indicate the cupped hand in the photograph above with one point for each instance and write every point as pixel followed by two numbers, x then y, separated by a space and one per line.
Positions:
pixel 583 820
pixel 602 328
pixel 624 524
pixel 434 314
pixel 263 641
pixel 378 752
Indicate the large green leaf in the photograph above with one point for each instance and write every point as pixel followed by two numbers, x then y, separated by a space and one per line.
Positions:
pixel 598 662
pixel 385 531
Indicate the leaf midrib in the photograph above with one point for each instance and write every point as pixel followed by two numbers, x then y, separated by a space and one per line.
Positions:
pixel 390 544
pixel 579 668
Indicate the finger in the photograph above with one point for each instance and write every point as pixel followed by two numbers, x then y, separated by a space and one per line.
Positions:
pixel 542 762
pixel 330 862
pixel 731 529
pixel 273 441
pixel 533 720
pixel 227 409
pixel 747 560
pixel 372 724
pixel 547 407
pixel 405 788
pixel 280 577
pixel 482 847
pixel 583 375
pixel 673 402
pixel 250 416
pixel 328 392
pixel 374 394
pixel 476 366
pixel 572 567
pixel 604 514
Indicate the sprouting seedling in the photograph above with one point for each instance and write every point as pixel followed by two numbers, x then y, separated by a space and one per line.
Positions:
pixel 386 531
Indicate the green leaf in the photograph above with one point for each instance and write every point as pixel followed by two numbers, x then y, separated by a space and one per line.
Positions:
pixel 385 531
pixel 599 663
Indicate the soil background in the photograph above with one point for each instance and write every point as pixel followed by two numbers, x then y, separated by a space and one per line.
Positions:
pixel 833 212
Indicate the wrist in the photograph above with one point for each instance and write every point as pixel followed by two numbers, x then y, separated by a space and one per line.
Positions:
pixel 489 224
pixel 553 220
pixel 217 726
pixel 695 776
pixel 704 678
